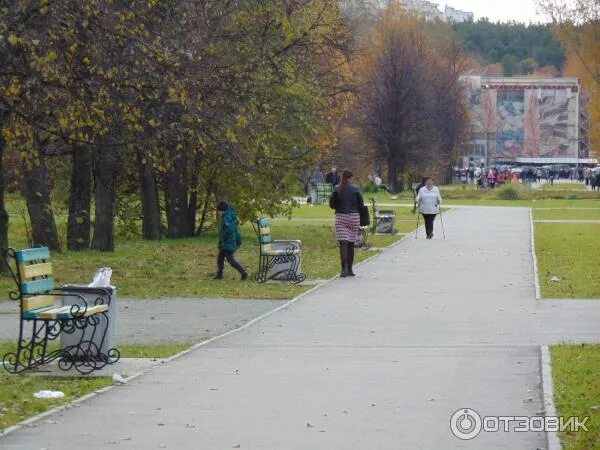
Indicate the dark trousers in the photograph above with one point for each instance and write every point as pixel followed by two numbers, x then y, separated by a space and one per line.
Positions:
pixel 429 218
pixel 230 259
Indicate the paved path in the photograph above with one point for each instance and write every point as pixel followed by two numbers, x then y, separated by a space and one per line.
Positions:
pixel 376 362
pixel 174 320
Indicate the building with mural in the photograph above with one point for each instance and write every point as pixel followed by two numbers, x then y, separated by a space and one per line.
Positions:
pixel 525 120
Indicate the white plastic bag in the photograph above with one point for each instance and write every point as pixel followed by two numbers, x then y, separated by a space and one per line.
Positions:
pixel 49 394
pixel 102 278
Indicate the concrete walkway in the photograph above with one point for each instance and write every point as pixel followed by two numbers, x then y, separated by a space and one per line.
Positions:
pixel 164 321
pixel 377 362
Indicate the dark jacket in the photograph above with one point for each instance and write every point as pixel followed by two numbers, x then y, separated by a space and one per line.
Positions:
pixel 229 234
pixel 350 201
pixel 332 178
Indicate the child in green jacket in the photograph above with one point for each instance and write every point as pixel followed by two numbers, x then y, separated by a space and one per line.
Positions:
pixel 230 240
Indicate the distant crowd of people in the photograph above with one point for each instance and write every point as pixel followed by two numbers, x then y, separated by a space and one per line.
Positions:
pixel 490 177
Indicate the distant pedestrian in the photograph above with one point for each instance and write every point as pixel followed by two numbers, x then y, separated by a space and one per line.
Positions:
pixel 416 192
pixel 491 179
pixel 347 201
pixel 429 200
pixel 230 240
pixel 587 175
pixel 551 176
pixel 379 184
pixel 596 182
pixel 332 178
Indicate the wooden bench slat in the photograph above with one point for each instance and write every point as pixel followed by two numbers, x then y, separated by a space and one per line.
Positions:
pixel 95 310
pixel 32 254
pixel 265 239
pixel 54 312
pixel 265 230
pixel 39 301
pixel 35 270
pixel 37 286
pixel 34 313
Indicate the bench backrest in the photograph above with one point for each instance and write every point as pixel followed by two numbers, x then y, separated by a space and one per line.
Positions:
pixel 264 234
pixel 34 278
pixel 324 189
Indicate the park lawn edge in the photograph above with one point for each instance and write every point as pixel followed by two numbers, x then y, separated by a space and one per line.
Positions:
pixel 75 388
pixel 575 374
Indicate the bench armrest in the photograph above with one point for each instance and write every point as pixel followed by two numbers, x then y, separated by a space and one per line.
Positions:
pixel 287 243
pixel 104 296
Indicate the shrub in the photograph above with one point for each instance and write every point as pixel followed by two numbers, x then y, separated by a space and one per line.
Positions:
pixel 508 192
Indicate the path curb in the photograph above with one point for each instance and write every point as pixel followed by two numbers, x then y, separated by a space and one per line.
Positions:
pixel 536 275
pixel 548 396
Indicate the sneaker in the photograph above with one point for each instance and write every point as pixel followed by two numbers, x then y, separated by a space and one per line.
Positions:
pixel 244 275
pixel 218 276
pixel 351 273
pixel 344 274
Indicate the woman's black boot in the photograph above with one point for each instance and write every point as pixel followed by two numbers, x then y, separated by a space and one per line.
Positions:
pixel 344 258
pixel 350 259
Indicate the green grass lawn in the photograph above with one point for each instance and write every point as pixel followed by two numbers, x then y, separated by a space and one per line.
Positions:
pixel 576 376
pixel 566 214
pixel 324 212
pixel 564 186
pixel 16 394
pixel 571 252
pixel 184 267
pixel 16 391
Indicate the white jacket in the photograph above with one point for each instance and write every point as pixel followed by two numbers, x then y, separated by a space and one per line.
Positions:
pixel 429 200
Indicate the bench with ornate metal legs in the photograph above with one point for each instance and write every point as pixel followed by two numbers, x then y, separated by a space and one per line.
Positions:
pixel 42 318
pixel 324 191
pixel 282 253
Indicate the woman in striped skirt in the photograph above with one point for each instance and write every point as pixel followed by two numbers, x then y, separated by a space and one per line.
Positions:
pixel 347 201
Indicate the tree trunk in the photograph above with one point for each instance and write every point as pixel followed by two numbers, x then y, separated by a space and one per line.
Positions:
pixel 204 211
pixel 151 226
pixel 392 175
pixel 37 195
pixel 80 200
pixel 176 199
pixel 106 165
pixel 3 212
pixel 193 202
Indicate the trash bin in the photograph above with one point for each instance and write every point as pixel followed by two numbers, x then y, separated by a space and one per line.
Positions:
pixel 90 294
pixel 385 221
pixel 281 266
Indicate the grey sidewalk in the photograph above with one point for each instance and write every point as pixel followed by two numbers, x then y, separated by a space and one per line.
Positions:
pixel 377 362
pixel 173 320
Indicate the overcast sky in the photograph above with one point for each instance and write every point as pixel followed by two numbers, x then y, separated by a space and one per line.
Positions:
pixel 498 10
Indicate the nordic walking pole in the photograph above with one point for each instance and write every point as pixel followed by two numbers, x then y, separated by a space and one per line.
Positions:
pixel 417 229
pixel 442 221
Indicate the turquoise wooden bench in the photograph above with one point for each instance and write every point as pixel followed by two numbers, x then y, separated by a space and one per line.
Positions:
pixel 278 260
pixel 43 318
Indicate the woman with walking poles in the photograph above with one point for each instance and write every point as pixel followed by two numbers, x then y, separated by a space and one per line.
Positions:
pixel 429 201
pixel 347 202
